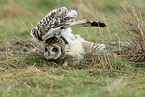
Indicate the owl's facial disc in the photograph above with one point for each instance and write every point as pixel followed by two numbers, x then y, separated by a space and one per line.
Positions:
pixel 52 51
pixel 54 48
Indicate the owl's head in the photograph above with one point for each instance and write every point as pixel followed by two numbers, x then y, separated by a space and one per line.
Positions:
pixel 54 48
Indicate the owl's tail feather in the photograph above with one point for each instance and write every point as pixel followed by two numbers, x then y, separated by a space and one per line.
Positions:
pixel 84 23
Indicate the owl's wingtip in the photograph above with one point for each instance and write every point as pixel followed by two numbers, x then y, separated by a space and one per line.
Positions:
pixel 97 24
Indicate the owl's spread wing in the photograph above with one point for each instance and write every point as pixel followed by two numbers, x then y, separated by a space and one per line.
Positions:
pixel 59 19
pixel 56 18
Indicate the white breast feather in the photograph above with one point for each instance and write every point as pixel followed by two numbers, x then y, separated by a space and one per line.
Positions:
pixel 76 47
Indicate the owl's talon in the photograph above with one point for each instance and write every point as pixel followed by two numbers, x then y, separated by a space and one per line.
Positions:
pixel 65 64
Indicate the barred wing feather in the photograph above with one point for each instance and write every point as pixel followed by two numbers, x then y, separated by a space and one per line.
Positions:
pixel 59 19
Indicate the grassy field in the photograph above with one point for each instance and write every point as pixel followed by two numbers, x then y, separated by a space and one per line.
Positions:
pixel 24 72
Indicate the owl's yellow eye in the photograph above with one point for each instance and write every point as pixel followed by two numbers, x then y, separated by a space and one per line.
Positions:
pixel 54 49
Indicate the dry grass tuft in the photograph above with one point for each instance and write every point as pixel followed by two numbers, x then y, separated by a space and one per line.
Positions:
pixel 134 49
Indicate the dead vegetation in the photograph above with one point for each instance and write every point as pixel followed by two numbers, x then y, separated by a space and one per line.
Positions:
pixel 134 49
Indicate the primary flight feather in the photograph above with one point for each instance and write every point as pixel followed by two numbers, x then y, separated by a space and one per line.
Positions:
pixel 59 19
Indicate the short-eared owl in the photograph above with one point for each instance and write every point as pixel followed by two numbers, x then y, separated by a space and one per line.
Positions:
pixel 55 30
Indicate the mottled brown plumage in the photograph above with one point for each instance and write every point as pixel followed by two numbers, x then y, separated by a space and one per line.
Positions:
pixel 59 19
pixel 55 30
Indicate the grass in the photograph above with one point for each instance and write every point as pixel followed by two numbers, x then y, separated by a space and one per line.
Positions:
pixel 33 81
pixel 25 73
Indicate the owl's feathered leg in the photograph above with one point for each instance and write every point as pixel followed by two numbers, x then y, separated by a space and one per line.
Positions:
pixel 69 56
pixel 90 46
pixel 65 64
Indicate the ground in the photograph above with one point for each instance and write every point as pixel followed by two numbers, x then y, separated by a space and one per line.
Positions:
pixel 24 72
